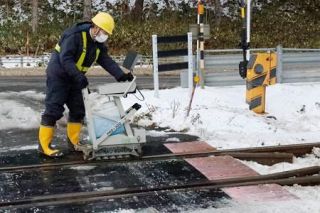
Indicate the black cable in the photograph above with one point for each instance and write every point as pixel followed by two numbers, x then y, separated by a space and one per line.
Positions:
pixel 143 98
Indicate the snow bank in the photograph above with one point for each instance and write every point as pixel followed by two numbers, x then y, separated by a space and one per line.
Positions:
pixel 15 111
pixel 220 115
pixel 299 206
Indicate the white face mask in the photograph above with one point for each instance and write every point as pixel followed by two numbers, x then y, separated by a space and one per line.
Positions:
pixel 101 38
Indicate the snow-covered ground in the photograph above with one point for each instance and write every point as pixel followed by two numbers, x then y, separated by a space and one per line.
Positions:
pixel 15 111
pixel 221 117
pixel 23 61
pixel 16 61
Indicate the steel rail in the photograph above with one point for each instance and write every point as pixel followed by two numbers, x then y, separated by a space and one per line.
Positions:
pixel 297 176
pixel 260 154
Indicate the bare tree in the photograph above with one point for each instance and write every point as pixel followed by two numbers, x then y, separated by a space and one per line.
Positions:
pixel 125 8
pixel 8 6
pixel 167 3
pixel 218 11
pixel 87 10
pixel 137 10
pixel 34 15
pixel 216 4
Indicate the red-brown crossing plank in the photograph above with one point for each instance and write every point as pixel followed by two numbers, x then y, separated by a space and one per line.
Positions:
pixel 194 146
pixel 259 193
pixel 223 167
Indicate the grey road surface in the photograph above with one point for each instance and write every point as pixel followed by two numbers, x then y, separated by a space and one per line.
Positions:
pixel 37 83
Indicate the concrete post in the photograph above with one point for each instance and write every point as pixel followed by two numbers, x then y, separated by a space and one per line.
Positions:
pixel 190 63
pixel 279 63
pixel 155 65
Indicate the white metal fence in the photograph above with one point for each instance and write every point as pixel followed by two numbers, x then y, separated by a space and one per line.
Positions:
pixel 221 66
pixel 294 65
pixel 17 61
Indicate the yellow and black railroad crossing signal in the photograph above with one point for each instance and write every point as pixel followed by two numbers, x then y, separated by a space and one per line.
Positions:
pixel 261 72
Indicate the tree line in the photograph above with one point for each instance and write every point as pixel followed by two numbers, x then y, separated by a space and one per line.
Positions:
pixel 34 26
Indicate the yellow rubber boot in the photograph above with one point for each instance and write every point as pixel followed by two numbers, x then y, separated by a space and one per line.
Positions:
pixel 45 138
pixel 73 132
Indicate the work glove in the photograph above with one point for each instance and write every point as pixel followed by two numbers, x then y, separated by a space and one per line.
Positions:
pixel 126 77
pixel 81 81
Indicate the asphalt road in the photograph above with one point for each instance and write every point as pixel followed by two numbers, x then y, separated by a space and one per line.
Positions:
pixel 37 83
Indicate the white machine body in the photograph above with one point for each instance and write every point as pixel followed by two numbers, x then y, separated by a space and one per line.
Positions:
pixel 119 139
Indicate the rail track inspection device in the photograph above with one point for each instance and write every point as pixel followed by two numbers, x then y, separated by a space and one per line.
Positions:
pixel 258 69
pixel 110 134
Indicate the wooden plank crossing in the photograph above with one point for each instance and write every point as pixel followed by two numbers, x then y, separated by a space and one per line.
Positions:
pixel 259 193
pixel 192 146
pixel 225 167
pixel 221 167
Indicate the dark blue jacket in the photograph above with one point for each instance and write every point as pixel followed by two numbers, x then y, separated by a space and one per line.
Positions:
pixel 63 65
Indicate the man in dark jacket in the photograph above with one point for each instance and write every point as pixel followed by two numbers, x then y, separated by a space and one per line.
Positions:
pixel 79 47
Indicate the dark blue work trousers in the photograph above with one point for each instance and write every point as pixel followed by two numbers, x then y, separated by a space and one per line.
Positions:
pixel 58 93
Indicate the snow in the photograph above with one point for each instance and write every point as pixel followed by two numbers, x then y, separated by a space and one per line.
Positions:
pixel 154 133
pixel 29 147
pixel 126 211
pixel 83 167
pixel 221 117
pixel 15 61
pixel 98 4
pixel 316 152
pixel 298 206
pixel 68 6
pixel 173 139
pixel 18 117
pixel 300 162
pixel 20 148
pixel 14 113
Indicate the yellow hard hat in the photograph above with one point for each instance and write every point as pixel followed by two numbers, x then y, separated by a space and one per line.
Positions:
pixel 104 21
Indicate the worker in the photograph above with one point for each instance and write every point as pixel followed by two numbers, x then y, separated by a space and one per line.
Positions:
pixel 79 47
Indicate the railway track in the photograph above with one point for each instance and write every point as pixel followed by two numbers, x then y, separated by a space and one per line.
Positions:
pixel 304 176
pixel 268 155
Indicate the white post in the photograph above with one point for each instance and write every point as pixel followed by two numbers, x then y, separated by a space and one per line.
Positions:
pixel 198 47
pixel 190 63
pixel 248 28
pixel 155 65
pixel 279 63
pixel 197 62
